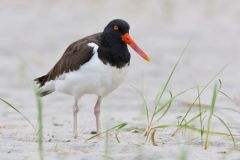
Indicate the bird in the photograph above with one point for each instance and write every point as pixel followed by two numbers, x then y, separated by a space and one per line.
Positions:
pixel 96 64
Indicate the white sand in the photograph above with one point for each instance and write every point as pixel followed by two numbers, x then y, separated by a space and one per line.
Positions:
pixel 36 34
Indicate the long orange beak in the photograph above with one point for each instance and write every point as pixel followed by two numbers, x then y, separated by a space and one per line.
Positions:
pixel 127 39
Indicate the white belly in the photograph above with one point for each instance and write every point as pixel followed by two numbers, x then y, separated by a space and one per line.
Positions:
pixel 93 77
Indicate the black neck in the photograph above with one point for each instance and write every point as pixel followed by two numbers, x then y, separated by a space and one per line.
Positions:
pixel 114 51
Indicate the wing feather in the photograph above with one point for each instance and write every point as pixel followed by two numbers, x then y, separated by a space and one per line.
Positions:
pixel 77 54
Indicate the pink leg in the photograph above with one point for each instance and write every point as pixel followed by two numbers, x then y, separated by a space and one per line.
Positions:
pixel 97 114
pixel 75 112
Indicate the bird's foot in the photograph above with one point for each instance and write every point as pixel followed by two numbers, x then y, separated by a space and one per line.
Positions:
pixel 75 135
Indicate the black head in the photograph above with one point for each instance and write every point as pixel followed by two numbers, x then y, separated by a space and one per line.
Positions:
pixel 118 27
pixel 116 35
pixel 113 32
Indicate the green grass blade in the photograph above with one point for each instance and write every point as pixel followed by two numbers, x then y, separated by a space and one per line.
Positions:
pixel 194 129
pixel 115 128
pixel 164 126
pixel 226 126
pixel 195 117
pixel 116 136
pixel 183 155
pixel 210 132
pixel 213 105
pixel 144 102
pixel 106 152
pixel 200 93
pixel 19 112
pixel 40 122
pixel 168 103
pixel 159 96
pixel 160 107
pixel 231 109
pixel 200 117
pixel 168 107
pixel 230 98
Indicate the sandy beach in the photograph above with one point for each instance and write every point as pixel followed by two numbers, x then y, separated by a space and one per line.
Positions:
pixel 34 35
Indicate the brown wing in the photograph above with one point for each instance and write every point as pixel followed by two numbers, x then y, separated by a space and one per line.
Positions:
pixel 75 55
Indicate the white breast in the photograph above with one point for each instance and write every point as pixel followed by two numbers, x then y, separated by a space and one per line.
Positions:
pixel 94 77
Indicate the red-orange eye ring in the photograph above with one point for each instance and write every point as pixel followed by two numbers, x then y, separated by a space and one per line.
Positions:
pixel 115 28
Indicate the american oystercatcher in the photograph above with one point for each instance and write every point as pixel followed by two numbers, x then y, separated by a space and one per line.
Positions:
pixel 96 64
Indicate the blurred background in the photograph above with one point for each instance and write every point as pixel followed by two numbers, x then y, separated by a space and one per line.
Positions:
pixel 38 32
pixel 34 35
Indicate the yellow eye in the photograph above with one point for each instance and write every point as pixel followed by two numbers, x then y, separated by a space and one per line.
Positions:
pixel 115 28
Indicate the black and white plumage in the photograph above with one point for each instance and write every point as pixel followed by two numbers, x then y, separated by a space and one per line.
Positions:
pixel 96 64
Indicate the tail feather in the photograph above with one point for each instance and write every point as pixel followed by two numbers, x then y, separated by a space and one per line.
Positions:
pixel 44 90
pixel 41 80
pixel 44 93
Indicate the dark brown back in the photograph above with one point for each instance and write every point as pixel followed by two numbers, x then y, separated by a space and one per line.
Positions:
pixel 75 55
